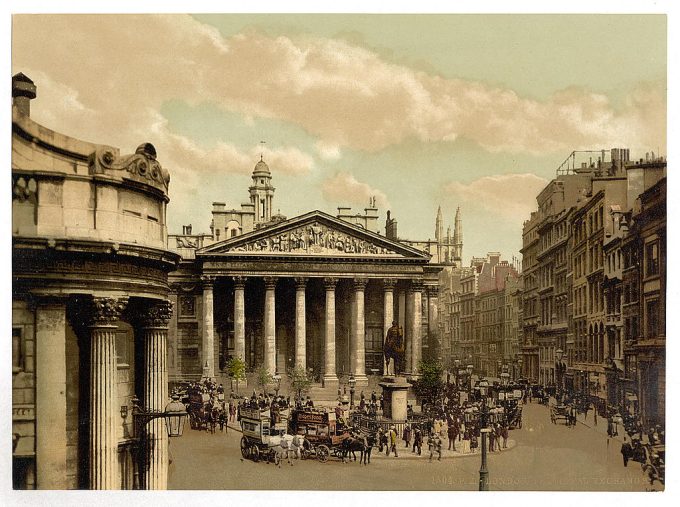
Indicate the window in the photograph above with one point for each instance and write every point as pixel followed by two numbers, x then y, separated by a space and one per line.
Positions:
pixel 652 315
pixel 234 232
pixel 652 258
pixel 17 350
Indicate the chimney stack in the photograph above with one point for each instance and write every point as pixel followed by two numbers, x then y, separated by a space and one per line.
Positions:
pixel 23 91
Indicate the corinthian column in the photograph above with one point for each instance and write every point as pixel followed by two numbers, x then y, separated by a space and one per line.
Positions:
pixel 416 324
pixel 433 338
pixel 329 376
pixel 104 403
pixel 208 336
pixel 154 330
pixel 239 317
pixel 359 331
pixel 389 284
pixel 270 324
pixel 300 324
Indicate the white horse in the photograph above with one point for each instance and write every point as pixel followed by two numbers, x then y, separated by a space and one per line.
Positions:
pixel 286 446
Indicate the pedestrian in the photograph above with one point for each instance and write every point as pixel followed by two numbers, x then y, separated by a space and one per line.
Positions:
pixel 504 435
pixel 452 433
pixel 407 435
pixel 434 444
pixel 473 443
pixel 380 439
pixel 385 443
pixel 595 414
pixel 393 441
pixel 492 440
pixel 417 440
pixel 626 451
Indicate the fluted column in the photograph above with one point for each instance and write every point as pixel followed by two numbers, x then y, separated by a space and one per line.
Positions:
pixel 408 332
pixel 270 324
pixel 359 331
pixel 208 335
pixel 329 376
pixel 300 324
pixel 434 340
pixel 416 323
pixel 154 329
pixel 104 403
pixel 388 313
pixel 239 317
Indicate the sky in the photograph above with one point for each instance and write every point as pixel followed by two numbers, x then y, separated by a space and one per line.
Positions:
pixel 419 111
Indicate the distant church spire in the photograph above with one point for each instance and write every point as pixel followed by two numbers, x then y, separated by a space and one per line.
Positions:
pixel 458 237
pixel 439 233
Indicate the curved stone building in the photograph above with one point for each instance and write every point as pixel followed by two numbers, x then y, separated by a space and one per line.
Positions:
pixel 90 308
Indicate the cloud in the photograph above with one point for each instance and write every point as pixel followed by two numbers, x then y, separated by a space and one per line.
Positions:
pixel 342 94
pixel 343 188
pixel 506 197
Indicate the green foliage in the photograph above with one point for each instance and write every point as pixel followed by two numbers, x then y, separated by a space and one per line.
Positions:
pixel 430 386
pixel 236 368
pixel 299 380
pixel 263 377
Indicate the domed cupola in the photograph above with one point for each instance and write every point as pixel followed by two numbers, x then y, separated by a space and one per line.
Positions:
pixel 262 192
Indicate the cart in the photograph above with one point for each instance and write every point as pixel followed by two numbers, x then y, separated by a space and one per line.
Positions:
pixel 323 435
pixel 559 413
pixel 258 430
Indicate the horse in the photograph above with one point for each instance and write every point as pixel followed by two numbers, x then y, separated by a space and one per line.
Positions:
pixel 369 442
pixel 282 446
pixel 351 445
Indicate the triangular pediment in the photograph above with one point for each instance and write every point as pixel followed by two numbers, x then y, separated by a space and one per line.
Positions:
pixel 314 234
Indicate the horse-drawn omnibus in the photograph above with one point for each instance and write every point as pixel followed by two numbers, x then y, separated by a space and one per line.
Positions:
pixel 261 435
pixel 323 433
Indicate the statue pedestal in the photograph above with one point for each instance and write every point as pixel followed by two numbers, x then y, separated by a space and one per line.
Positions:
pixel 395 391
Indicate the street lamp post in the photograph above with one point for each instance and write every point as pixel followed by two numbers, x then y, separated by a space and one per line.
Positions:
pixel 559 370
pixel 469 369
pixel 352 383
pixel 483 415
pixel 519 364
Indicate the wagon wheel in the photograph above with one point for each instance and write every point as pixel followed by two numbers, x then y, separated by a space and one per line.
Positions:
pixel 322 453
pixel 245 451
pixel 255 453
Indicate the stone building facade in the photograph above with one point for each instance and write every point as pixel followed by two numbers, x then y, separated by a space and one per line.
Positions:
pixel 90 308
pixel 314 291
pixel 583 271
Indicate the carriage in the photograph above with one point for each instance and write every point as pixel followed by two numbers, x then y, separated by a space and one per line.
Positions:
pixel 199 410
pixel 262 434
pixel 323 434
pixel 560 413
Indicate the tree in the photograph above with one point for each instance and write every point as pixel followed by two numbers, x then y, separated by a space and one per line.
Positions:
pixel 263 377
pixel 236 369
pixel 299 380
pixel 430 386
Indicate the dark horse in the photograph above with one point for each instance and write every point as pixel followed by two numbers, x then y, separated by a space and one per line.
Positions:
pixel 362 444
pixel 393 347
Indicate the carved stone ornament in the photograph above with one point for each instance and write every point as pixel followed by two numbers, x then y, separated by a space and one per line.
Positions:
pixel 416 286
pixel 359 283
pixel 270 282
pixel 314 238
pixel 301 282
pixel 330 283
pixel 157 314
pixel 239 282
pixel 389 283
pixel 106 311
pixel 141 166
pixel 208 281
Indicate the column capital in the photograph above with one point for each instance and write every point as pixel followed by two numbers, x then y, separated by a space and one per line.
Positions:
pixel 155 314
pixel 105 311
pixel 330 283
pixel 239 282
pixel 416 286
pixel 300 282
pixel 390 283
pixel 432 291
pixel 359 284
pixel 270 282
pixel 208 281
